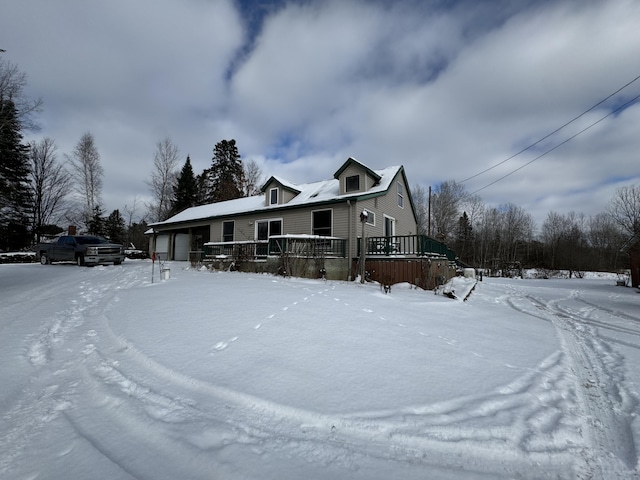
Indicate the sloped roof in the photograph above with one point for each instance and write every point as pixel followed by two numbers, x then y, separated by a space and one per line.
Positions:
pixel 353 161
pixel 310 193
pixel 284 183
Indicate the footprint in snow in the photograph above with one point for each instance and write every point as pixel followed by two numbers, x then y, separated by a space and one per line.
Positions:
pixel 258 326
pixel 367 310
pixel 220 346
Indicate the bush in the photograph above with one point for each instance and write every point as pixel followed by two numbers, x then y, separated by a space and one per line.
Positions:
pixel 18 257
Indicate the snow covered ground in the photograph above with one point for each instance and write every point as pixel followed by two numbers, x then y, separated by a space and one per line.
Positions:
pixel 238 376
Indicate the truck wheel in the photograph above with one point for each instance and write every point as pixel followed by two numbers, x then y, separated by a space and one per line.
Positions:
pixel 80 260
pixel 44 260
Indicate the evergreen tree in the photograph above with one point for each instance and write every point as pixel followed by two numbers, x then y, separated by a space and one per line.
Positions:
pixel 96 223
pixel 114 227
pixel 202 185
pixel 464 238
pixel 185 192
pixel 15 194
pixel 226 176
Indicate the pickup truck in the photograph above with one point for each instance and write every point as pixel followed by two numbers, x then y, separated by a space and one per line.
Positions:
pixel 81 249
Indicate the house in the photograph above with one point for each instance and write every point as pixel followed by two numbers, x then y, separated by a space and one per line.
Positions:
pixel 632 248
pixel 320 220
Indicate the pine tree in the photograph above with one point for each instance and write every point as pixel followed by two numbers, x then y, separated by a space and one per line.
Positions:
pixel 464 238
pixel 15 194
pixel 114 227
pixel 185 192
pixel 226 176
pixel 96 223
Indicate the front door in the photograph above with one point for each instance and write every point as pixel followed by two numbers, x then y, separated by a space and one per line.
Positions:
pixel 389 226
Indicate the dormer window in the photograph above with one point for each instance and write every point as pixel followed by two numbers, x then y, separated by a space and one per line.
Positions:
pixel 352 183
pixel 273 196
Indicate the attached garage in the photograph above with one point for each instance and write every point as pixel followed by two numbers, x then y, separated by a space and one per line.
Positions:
pixel 181 247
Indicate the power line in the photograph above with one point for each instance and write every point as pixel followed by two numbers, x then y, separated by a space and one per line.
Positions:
pixel 560 144
pixel 552 133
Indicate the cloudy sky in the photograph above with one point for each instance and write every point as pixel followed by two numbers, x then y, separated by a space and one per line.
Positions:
pixel 446 88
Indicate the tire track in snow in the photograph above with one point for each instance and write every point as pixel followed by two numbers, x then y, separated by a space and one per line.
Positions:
pixel 606 406
pixel 129 388
pixel 54 353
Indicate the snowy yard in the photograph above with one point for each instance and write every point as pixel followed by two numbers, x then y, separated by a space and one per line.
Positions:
pixel 239 376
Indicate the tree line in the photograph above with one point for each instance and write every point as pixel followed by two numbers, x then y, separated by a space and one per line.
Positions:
pixel 507 238
pixel 40 192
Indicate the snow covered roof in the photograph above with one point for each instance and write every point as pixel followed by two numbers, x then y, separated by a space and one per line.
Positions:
pixel 310 193
pixel 286 184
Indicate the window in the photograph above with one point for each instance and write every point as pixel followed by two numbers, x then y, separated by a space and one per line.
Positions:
pixel 227 231
pixel 400 195
pixel 352 184
pixel 371 217
pixel 321 221
pixel 273 196
pixel 267 228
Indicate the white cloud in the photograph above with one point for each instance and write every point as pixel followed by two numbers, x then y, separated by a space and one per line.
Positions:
pixel 448 92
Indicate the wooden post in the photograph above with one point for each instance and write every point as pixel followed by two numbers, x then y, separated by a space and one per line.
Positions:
pixel 363 252
pixel 429 213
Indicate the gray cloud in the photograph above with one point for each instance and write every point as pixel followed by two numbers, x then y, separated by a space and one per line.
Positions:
pixel 446 89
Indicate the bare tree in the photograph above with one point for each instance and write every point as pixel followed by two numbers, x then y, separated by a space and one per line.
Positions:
pixel 624 208
pixel 605 239
pixel 474 206
pixel 163 179
pixel 252 178
pixel 445 208
pixel 421 206
pixel 552 231
pixel 12 85
pixel 50 185
pixel 517 231
pixel 487 235
pixel 565 237
pixel 131 211
pixel 87 172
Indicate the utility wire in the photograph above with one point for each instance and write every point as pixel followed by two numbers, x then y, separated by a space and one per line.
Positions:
pixel 559 145
pixel 552 133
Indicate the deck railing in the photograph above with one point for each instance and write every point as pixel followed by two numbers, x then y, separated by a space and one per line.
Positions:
pixel 406 245
pixel 330 247
pixel 237 250
pixel 308 246
pixel 300 246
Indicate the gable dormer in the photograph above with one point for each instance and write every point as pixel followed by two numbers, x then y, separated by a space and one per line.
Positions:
pixel 278 191
pixel 355 177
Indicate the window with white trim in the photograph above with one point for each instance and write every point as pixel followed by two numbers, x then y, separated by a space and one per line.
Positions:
pixel 371 218
pixel 267 228
pixel 322 222
pixel 352 183
pixel 227 231
pixel 273 196
pixel 400 195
